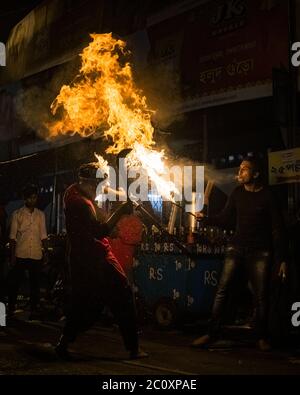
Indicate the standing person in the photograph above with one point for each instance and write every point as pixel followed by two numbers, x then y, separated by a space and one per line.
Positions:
pixel 97 278
pixel 259 231
pixel 28 243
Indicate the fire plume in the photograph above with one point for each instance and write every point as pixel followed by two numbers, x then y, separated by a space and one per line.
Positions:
pixel 104 96
pixel 153 163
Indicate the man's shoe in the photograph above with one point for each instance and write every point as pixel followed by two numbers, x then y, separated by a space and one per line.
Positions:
pixel 201 341
pixel 139 354
pixel 263 345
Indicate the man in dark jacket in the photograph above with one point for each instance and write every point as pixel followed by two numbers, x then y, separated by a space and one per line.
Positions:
pixel 97 278
pixel 259 231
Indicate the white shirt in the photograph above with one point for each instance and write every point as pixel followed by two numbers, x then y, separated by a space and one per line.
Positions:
pixel 28 230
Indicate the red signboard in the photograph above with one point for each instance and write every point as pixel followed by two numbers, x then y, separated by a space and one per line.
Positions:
pixel 225 45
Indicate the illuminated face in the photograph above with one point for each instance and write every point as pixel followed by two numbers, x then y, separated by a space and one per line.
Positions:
pixel 246 173
pixel 31 200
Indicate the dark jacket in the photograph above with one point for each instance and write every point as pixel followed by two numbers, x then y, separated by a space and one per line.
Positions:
pixel 91 258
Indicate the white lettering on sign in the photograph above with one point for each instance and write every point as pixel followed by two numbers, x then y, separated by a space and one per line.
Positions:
pixel 2 314
pixel 178 265
pixel 191 264
pixel 176 294
pixel 229 10
pixel 210 278
pixel 157 247
pixel 2 54
pixel 155 274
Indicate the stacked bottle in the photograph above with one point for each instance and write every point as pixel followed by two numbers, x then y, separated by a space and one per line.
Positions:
pixel 207 241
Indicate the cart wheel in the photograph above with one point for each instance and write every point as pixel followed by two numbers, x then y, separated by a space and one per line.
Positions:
pixel 165 313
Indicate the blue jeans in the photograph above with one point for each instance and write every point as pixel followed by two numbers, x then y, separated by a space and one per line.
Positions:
pixel 257 265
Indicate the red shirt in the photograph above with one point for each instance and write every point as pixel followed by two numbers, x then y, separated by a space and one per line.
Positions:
pixel 86 233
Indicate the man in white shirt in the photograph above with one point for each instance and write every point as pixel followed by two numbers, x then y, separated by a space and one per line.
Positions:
pixel 28 238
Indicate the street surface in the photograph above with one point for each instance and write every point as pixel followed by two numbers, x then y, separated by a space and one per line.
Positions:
pixel 26 348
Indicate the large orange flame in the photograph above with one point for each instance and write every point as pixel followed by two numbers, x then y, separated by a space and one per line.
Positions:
pixel 104 97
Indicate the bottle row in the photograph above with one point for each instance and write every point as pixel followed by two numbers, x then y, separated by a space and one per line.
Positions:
pixel 202 235
pixel 171 248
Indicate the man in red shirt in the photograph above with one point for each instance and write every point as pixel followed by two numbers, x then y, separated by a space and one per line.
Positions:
pixel 97 278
